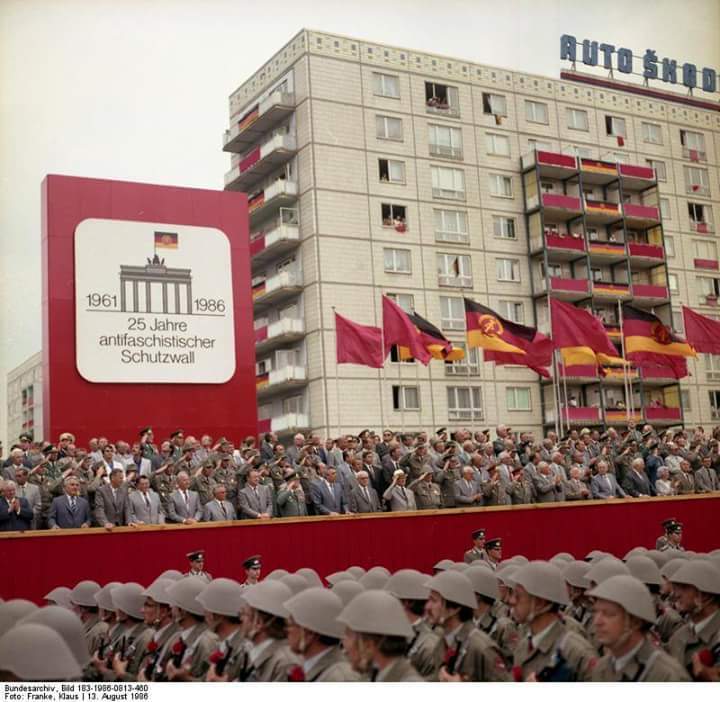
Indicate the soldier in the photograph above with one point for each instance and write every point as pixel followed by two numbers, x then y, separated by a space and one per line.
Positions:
pixel 663 540
pixel 623 612
pixel 197 565
pixel 253 568
pixel 314 634
pixel 674 538
pixel 493 552
pixel 159 605
pixel 376 636
pixel 263 618
pixel 521 489
pixel 550 653
pixel 669 619
pixel 446 477
pixel 507 631
pixel 425 650
pixel 487 593
pixel 107 614
pixel 477 552
pixel 82 598
pixel 204 482
pixel 129 599
pixel 427 492
pixel 470 655
pixel 580 607
pixel 496 491
pixel 291 500
pixel 163 481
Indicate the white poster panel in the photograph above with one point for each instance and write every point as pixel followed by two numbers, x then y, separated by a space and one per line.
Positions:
pixel 153 303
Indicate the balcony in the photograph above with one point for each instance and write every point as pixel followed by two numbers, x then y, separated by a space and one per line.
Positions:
pixel 702 227
pixel 613 331
pixel 280 380
pixel 622 417
pixel 290 423
pixel 606 251
pixel 581 415
pixel 706 264
pixel 260 162
pixel 695 155
pixel 658 376
pixel 635 178
pixel 649 295
pixel 600 212
pixel 598 172
pixel 569 289
pixel 645 255
pixel 561 247
pixel 276 289
pixel 663 415
pixel 578 375
pixel 283 331
pixel 561 207
pixel 611 291
pixel 281 193
pixel 640 216
pixel 550 164
pixel 280 239
pixel 257 120
pixel 618 376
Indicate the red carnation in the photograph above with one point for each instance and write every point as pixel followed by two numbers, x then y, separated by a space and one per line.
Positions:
pixel 517 673
pixel 296 674
pixel 449 656
pixel 179 647
pixel 706 657
pixel 216 656
pixel 152 647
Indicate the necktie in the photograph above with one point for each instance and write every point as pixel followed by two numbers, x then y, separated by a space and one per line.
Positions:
pixel 114 494
pixel 185 497
pixel 224 511
pixel 73 503
pixel 402 490
pixel 367 494
pixel 147 500
pixel 607 480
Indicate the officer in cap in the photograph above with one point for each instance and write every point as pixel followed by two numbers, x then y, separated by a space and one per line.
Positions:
pixel 263 618
pixel 623 613
pixel 376 637
pixel 222 601
pixel 314 634
pixel 33 651
pixel 82 598
pixel 478 549
pixel 662 541
pixel 470 655
pixel 493 552
pixel 158 608
pixel 197 565
pixel 550 652
pixel 696 586
pixel 252 567
pixel 425 652
pixel 673 534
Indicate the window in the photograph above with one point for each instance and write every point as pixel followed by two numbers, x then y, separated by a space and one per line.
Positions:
pixel 265 411
pixel 500 185
pixel 293 405
pixel 442 99
pixel 577 119
pixel 697 181
pixel 445 142
pixel 673 282
pixel 452 313
pixel 706 250
pixel 547 186
pixel 511 310
pixel 386 86
pixel 464 404
pixel 405 397
pixel 388 128
pixel 669 246
pixel 518 399
pixel 470 365
pixel 507 269
pixel 582 151
pixel 651 133
pixel 536 112
pixel 699 213
pixel 394 216
pixel 709 287
pixel 451 225
pixel 714 396
pixel 448 183
pixel 537 145
pixel 676 322
pixel 497 144
pixel 685 400
pixel 554 270
pixel 665 208
pixel 455 271
pixel 659 168
pixel 397 260
pixel 494 104
pixel 712 366
pixel 693 144
pixel 403 300
pixel 391 171
pixel 504 228
pixel 614 126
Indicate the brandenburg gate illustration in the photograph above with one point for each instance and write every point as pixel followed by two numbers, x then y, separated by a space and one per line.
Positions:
pixel 138 283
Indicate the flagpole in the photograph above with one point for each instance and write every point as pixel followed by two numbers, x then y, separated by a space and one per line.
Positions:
pixel 626 379
pixel 558 423
pixel 383 378
pixel 337 378
pixel 417 384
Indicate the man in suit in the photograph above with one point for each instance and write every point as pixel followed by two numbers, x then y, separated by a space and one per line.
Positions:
pixel 706 479
pixel 397 496
pixel 17 459
pixel 145 506
pixel 467 491
pixel 143 465
pixel 111 501
pixel 575 489
pixel 685 479
pixel 183 505
pixel 69 511
pixel 294 451
pixel 327 494
pixel 219 509
pixel 603 486
pixel 30 492
pixel 636 483
pixel 364 498
pixel 15 512
pixel 255 500
pixel 548 487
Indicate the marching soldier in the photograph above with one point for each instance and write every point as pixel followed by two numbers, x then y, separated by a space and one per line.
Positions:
pixel 197 566
pixel 82 598
pixel 478 549
pixel 158 603
pixel 580 607
pixel 128 654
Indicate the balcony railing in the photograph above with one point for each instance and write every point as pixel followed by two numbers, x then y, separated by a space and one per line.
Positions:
pixel 551 164
pixel 598 211
pixel 280 377
pixel 260 162
pixel 444 151
pixel 663 414
pixel 291 422
pixel 279 194
pixel 565 243
pixel 570 288
pixel 284 236
pixel 617 416
pixel 279 332
pixel 614 291
pixel 649 251
pixel 696 155
pixel 702 227
pixel 277 287
pixel 644 294
pixel 642 216
pixel 563 207
pixel 606 250
pixel 706 264
pixel 258 120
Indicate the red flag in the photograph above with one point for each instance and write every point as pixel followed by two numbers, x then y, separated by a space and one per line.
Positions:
pixel 357 343
pixel 399 330
pixel 621 141
pixel 701 332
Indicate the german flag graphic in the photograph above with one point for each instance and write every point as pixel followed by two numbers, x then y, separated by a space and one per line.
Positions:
pixel 437 344
pixel 166 240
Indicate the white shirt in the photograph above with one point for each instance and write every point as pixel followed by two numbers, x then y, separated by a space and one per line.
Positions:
pixel 310 662
pixel 258 650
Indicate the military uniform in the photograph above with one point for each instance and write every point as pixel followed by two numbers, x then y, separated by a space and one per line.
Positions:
pixel 646 664
pixel 199 643
pixel 137 639
pixel 686 641
pixel 271 663
pixel 236 666
pixel 332 667
pixel 670 547
pixel 506 634
pixel 474 554
pixel 163 484
pixel 446 479
pixel 150 662
pixel 668 622
pixel 424 652
pixel 400 670
pixel 522 492
pixel 204 486
pixel 291 503
pixel 427 494
pixel 228 478
pixel 96 632
pixel 475 656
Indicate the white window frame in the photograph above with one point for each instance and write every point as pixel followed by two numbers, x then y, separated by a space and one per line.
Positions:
pixel 651 133
pixel 665 211
pixel 513 393
pixel 706 250
pixel 464 403
pixel 714 400
pixel 493 144
pixel 504 227
pixel 537 112
pixel 512 310
pixel 452 313
pixel 445 141
pixel 405 301
pixel 388 128
pixel 712 367
pixel 446 274
pixel 497 104
pixel 467 366
pixel 616 126
pixel 574 121
pixel 451 226
pixel 293 405
pixel 396 257
pixel 673 283
pixel 692 141
pixel 382 83
pixel 405 393
pixel 393 165
pixel 501 185
pixel 669 243
pixel 659 167
pixel 539 145
pixel 507 270
pixel 443 177
pixel 699 177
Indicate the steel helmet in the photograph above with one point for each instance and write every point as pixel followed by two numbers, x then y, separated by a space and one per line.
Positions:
pixel 317 609
pixel 542 579
pixel 605 568
pixel 347 590
pixel 339 576
pixel 277 574
pixel 444 564
pixel 12 611
pixel 59 596
pixel 519 560
pixel 374 580
pixel 129 598
pixel 459 567
pixel 563 556
pixel 376 612
pixel 357 571
pixel 659 557
pixel 574 574
pixel 269 597
pixel 171 575
pixel 222 596
pixel 183 594
pixel 158 591
pixel 637 551
pixel 296 582
pixel 628 592
pixel 83 594
pixel 700 574
pixel 37 652
pixel 407 584
pixel 595 555
pixel 484 582
pixel 480 563
pixel 65 623
pixel 311 576
pixel 671 567
pixel 505 576
pixel 453 587
pixel 644 569
pixel 103 598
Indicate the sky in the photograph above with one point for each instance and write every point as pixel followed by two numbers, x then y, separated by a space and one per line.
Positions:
pixel 137 89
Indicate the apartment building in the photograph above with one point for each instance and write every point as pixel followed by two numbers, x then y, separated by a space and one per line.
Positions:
pixel 375 170
pixel 24 399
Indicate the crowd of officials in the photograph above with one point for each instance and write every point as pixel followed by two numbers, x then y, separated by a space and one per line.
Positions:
pixel 185 480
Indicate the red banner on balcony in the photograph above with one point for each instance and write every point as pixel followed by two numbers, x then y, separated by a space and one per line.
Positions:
pixel 561 202
pixel 555 241
pixel 257 245
pixel 630 171
pixel 601 206
pixel 646 250
pixel 261 334
pixel 250 160
pixel 549 158
pixel 262 380
pixel 641 211
pixel 614 289
pixel 569 284
pixel 258 289
pixel 702 228
pixel 639 290
pixel 582 414
pixel 706 264
pixel 671 414
pixel 615 416
pixel 607 248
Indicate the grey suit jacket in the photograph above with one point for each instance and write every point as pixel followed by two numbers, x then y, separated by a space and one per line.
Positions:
pixel 178 511
pixel 359 505
pixel 465 493
pixel 545 488
pixel 599 487
pixel 32 494
pixel 706 480
pixel 398 502
pixel 61 516
pixel 138 511
pixel 212 512
pixel 114 512
pixel 326 501
pixel 251 505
